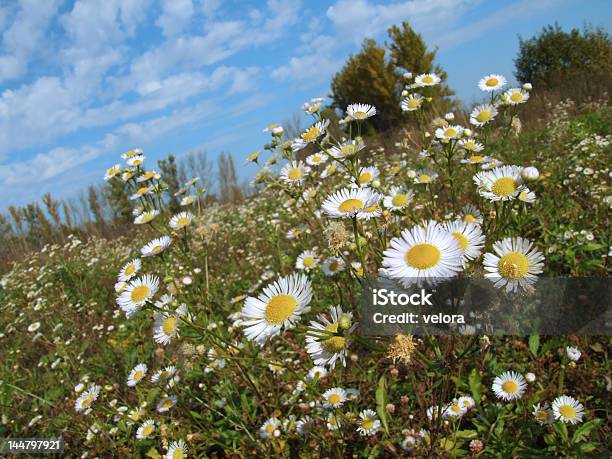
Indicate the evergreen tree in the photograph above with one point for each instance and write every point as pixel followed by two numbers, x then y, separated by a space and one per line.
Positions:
pixel 170 176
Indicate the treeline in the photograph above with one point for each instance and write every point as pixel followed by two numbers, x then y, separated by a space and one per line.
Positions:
pixel 105 210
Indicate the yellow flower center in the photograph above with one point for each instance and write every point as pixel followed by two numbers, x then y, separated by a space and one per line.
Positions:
pixel 295 173
pixel 167 404
pixel 138 375
pixel 567 411
pixel 178 454
pixel 424 178
pixel 86 402
pixel 140 293
pixel 183 221
pixel 463 241
pixel 334 266
pixel 156 248
pixel 359 114
pixel 476 158
pixel 270 428
pixel 348 149
pixel 350 205
pixel 427 79
pixel 371 209
pixel 484 116
pixel 513 265
pixel 148 430
pixel 142 190
pixel 308 262
pixel 455 408
pixel 311 134
pixel 334 344
pixel 364 177
pixel 510 387
pixel 367 423
pixel 469 218
pixel 423 256
pixel 334 399
pixel 399 200
pixel 516 97
pixel 280 308
pixel 316 159
pixel 451 132
pixel 504 186
pixel 413 103
pixel 492 82
pixel 541 415
pixel 129 270
pixel 169 326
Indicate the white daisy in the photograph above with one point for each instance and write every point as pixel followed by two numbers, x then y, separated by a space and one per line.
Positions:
pixel 181 220
pixel 368 423
pixel 469 236
pixel 87 398
pixel 527 196
pixel 334 397
pixel 166 324
pixel 146 217
pixel 136 160
pixel 455 410
pixel 137 293
pixel 146 429
pixel 329 170
pixel 317 159
pixel 155 246
pixel 471 214
pixel 409 443
pixel 294 173
pixel 130 269
pixel 412 102
pixel 317 372
pixel 177 450
pixel 450 132
pixel 466 402
pixel 333 266
pixel 188 200
pixel 500 184
pixel 423 253
pixel 33 327
pixel 334 422
pixel 426 79
pixel 166 403
pixel 165 374
pixel 482 114
pixel 349 202
pixel 491 82
pixel 131 153
pixel 514 264
pixel 573 353
pixel 366 175
pixel 509 386
pixel 425 176
pixel 147 176
pixel 278 307
pixel 470 144
pixel 112 172
pixel 515 96
pixel 267 430
pixel 325 343
pixel 530 173
pixel 347 149
pixel 567 409
pixel 315 131
pixel 360 112
pixel 307 260
pixel 294 233
pixel 137 374
pixel 398 198
pixel 304 425
pixel 543 414
pixel 141 192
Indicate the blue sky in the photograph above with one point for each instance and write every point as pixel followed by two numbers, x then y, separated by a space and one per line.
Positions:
pixel 83 81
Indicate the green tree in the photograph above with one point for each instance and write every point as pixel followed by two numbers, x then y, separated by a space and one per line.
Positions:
pixel 375 75
pixel 118 199
pixel 553 56
pixel 170 176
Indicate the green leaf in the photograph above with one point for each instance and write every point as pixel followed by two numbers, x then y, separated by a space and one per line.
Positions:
pixel 152 395
pixel 475 384
pixel 534 344
pixel 466 434
pixel 584 430
pixel 561 429
pixel 381 402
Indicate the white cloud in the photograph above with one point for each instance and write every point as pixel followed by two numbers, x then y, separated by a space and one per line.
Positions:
pixel 176 16
pixel 24 37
